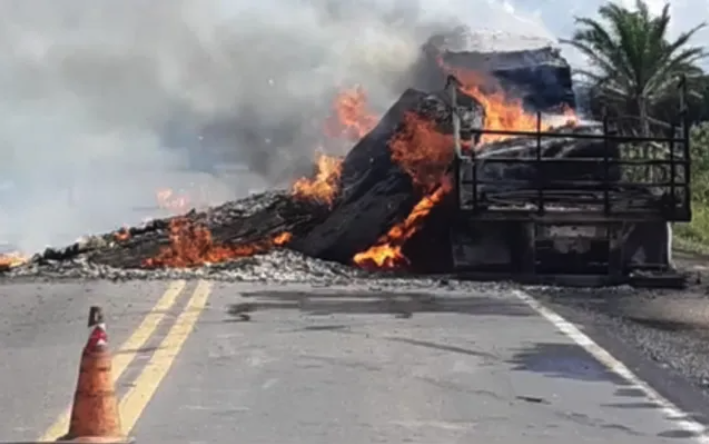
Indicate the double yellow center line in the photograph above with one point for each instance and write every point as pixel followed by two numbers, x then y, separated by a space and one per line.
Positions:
pixel 136 399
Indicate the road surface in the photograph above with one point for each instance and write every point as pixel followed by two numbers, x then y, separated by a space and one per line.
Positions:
pixel 323 365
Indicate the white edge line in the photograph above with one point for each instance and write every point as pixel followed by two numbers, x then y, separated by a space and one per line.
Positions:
pixel 673 413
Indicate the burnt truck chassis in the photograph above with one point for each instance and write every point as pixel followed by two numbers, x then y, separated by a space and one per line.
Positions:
pixel 609 230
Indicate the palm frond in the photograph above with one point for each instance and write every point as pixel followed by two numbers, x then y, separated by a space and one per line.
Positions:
pixel 631 59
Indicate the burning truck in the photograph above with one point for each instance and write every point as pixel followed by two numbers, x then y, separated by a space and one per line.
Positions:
pixel 482 168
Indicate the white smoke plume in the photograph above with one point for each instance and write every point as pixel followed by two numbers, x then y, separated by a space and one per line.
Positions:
pixel 104 101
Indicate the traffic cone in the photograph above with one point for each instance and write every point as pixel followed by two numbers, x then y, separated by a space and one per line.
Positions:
pixel 94 415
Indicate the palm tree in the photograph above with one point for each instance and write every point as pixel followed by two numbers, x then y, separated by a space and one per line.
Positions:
pixel 633 64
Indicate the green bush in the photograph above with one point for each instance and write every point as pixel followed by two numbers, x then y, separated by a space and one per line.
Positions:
pixel 697 231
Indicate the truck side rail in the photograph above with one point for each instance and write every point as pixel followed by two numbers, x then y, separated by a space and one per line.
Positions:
pixel 634 173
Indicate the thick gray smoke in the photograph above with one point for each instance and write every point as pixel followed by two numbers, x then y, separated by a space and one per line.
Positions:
pixel 105 101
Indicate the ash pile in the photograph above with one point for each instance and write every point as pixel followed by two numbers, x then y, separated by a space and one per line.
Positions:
pixel 383 208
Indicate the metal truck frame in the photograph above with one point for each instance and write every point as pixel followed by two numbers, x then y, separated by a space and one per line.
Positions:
pixel 550 234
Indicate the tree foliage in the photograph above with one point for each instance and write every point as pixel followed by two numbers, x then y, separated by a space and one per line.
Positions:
pixel 633 64
pixel 697 231
pixel 699 147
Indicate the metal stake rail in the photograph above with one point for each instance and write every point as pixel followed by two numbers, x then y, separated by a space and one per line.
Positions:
pixel 677 199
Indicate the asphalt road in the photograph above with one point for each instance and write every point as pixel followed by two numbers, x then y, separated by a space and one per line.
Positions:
pixel 323 365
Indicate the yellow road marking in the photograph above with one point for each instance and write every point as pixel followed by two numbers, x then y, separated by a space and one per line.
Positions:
pixel 128 351
pixel 137 398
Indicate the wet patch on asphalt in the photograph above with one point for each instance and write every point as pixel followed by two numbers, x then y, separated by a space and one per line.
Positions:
pixel 563 360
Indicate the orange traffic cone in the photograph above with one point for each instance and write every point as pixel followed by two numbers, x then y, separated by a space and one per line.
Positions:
pixel 94 415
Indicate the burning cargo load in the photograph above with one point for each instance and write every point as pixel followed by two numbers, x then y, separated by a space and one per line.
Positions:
pixel 389 203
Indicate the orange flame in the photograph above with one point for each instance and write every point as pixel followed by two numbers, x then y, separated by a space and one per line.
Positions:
pixel 324 186
pixel 11 260
pixel 191 245
pixel 352 118
pixel 282 239
pixel 422 151
pixel 502 113
pixel 386 253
